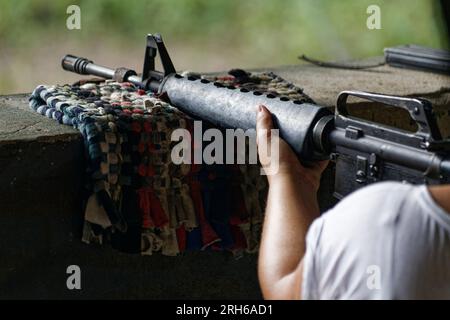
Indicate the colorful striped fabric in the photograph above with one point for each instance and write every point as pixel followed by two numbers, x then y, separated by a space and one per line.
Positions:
pixel 139 200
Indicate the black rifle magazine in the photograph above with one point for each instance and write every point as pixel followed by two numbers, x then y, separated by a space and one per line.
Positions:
pixel 418 57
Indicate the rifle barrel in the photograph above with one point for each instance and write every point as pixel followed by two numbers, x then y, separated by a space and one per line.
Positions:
pixel 88 67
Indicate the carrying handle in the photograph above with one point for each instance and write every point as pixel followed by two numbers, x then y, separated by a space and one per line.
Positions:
pixel 420 110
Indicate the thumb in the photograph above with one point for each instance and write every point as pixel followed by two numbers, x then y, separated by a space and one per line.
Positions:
pixel 263 124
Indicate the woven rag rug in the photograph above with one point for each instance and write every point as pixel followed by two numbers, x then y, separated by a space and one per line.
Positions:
pixel 137 200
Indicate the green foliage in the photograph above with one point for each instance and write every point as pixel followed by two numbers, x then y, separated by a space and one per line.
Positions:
pixel 312 26
pixel 255 32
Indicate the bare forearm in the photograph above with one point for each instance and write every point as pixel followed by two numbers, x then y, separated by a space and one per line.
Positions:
pixel 291 208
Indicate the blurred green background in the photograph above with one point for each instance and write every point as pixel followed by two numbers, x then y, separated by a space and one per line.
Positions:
pixel 203 35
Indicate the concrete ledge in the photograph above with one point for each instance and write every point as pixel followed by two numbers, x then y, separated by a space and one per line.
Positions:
pixel 324 84
pixel 19 123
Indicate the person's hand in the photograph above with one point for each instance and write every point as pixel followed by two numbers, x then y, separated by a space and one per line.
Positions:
pixel 288 161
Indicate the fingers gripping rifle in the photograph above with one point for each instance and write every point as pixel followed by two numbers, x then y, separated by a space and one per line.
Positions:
pixel 365 152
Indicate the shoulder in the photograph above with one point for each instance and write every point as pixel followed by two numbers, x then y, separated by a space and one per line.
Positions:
pixel 375 207
pixel 378 195
pixel 378 204
pixel 380 188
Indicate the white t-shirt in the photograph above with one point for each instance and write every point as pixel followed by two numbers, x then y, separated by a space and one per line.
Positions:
pixel 386 241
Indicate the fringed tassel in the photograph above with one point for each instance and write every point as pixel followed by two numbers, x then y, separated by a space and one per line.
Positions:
pixel 152 212
pixel 209 236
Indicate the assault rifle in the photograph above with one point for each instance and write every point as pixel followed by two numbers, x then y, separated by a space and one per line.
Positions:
pixel 364 151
